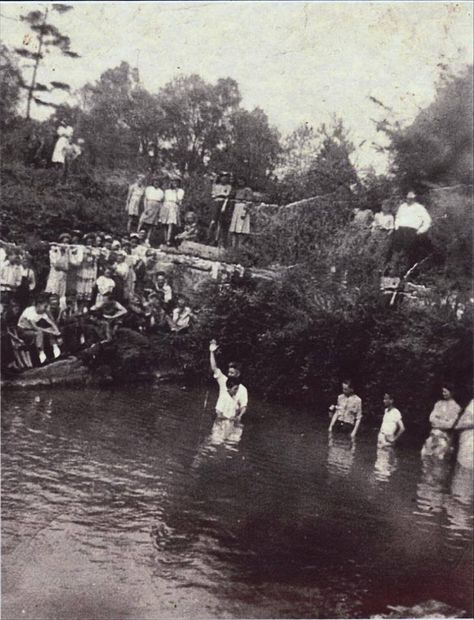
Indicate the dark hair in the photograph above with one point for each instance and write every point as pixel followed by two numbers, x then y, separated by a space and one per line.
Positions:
pixel 43 298
pixel 232 382
pixel 235 365
pixel 349 383
pixel 390 395
pixel 448 385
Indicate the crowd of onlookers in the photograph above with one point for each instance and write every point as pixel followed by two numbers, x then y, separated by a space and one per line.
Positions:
pixel 95 284
pixel 154 204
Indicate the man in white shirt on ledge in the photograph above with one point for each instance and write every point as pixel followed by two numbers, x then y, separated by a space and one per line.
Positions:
pixel 412 222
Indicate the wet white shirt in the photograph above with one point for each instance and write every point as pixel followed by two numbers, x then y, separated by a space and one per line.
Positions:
pixel 228 406
pixel 391 421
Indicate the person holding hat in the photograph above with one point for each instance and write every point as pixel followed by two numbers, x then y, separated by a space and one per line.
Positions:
pixel 152 208
pixel 170 215
pixel 134 198
pixel 412 222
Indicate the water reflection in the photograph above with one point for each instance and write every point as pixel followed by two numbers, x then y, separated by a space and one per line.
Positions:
pixel 341 451
pixel 224 433
pixel 128 485
pixel 386 463
pixel 459 504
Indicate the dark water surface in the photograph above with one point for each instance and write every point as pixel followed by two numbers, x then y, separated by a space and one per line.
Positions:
pixel 130 503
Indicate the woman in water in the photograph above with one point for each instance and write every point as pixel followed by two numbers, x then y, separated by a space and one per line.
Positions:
pixel 443 419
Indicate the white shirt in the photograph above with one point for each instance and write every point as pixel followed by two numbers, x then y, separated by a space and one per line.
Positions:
pixel 384 221
pixel 226 405
pixel 154 193
pixel 413 216
pixel 60 149
pixel 174 195
pixel 30 316
pixel 391 421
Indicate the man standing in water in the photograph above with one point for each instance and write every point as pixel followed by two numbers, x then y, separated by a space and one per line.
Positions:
pixel 233 396
pixel 347 414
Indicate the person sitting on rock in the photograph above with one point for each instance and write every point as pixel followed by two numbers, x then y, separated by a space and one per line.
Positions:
pixel 107 313
pixel 39 331
pixel 163 289
pixel 180 318
pixel 191 230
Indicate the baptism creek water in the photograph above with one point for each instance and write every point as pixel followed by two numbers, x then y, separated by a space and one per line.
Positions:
pixel 134 503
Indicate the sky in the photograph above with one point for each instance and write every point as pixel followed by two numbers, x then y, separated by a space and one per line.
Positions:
pixel 301 62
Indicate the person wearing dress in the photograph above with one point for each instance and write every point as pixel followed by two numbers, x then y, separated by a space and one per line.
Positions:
pixel 153 201
pixel 465 428
pixel 240 223
pixel 443 419
pixel 134 198
pixel 170 216
pixel 59 265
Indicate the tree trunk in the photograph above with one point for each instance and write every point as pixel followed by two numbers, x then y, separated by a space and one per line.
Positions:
pixel 35 69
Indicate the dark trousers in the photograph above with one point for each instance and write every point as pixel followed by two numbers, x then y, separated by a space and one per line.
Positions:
pixel 406 249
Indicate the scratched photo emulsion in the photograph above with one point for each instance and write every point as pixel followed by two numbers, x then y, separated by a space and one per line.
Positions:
pixel 236 310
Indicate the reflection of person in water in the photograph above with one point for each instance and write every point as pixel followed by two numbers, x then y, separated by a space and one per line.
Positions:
pixel 340 455
pixel 386 462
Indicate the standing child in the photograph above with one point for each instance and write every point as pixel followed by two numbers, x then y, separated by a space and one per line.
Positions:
pixel 105 285
pixel 392 423
pixel 134 198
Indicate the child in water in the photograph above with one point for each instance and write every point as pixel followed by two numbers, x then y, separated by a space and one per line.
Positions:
pixel 392 424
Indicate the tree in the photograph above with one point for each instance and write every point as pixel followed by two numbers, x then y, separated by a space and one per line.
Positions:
pixel 47 37
pixel 437 148
pixel 120 115
pixel 10 79
pixel 317 162
pixel 251 147
pixel 197 116
pixel 332 170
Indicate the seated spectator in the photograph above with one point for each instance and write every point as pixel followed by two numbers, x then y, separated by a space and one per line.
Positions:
pixel 384 220
pixel 163 289
pixel 18 356
pixel 181 316
pixel 105 284
pixel 39 331
pixel 362 218
pixel 136 317
pixel 155 312
pixel 107 314
pixel 54 307
pixel 70 322
pixel 191 230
